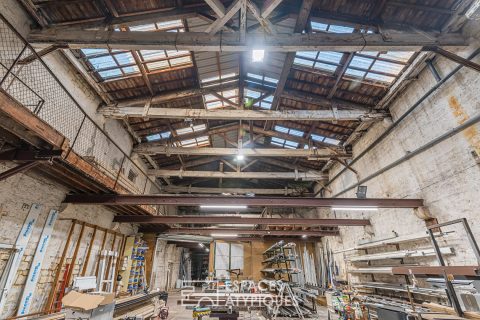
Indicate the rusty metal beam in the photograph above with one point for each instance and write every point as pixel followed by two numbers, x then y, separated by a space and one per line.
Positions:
pixel 20 168
pixel 469 271
pixel 230 231
pixel 112 199
pixel 239 220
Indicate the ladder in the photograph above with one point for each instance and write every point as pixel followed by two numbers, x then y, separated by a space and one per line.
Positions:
pixel 106 272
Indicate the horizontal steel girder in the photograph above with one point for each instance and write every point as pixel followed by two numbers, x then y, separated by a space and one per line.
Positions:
pixel 239 220
pixel 120 200
pixel 222 231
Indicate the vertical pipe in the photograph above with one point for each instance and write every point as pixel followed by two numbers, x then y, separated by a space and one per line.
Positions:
pixel 75 254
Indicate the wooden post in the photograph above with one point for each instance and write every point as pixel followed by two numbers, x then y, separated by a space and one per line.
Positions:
pixel 48 306
pixel 87 258
pixel 75 253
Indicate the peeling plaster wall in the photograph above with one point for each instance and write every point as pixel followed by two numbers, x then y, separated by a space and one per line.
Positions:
pixel 167 265
pixel 447 175
pixel 17 194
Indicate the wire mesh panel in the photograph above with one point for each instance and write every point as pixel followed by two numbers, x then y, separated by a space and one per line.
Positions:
pixel 32 84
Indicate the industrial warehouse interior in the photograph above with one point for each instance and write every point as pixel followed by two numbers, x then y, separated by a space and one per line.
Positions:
pixel 240 159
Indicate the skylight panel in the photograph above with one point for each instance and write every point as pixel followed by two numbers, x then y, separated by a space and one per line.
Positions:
pixel 332 141
pixel 214 102
pixel 307 54
pixel 379 77
pixel 360 62
pixel 198 142
pixel 224 77
pixel 103 62
pixel 91 52
pixel 317 137
pixel 196 128
pixel 251 95
pixel 284 143
pixel 143 27
pixel 290 131
pixel 271 80
pixel 117 63
pixel 387 67
pixel 398 56
pixel 303 62
pixel 158 136
pixel 340 29
pixel 318 26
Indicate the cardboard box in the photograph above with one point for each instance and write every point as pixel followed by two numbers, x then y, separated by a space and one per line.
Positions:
pixel 86 305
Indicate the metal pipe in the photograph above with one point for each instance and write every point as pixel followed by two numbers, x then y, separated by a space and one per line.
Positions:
pixel 401 118
pixel 20 168
pixel 410 155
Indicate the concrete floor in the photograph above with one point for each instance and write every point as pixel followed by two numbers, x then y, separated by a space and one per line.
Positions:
pixel 178 312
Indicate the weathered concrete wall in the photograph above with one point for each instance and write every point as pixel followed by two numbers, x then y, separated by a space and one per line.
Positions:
pixel 17 194
pixel 447 176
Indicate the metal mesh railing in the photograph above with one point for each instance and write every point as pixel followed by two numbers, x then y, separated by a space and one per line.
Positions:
pixel 37 88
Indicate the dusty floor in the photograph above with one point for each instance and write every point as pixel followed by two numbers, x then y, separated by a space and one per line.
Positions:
pixel 178 312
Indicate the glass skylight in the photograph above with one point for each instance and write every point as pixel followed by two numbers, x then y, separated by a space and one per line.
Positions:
pixel 251 97
pixel 317 137
pixel 290 131
pixel 382 67
pixel 284 143
pixel 196 128
pixel 111 64
pixel 213 102
pixel 158 136
pixel 196 142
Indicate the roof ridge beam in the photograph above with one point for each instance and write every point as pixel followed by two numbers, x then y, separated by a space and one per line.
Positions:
pixel 229 42
pixel 255 115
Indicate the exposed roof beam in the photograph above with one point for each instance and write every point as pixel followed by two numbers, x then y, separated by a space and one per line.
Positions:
pixel 123 199
pixel 168 96
pixel 277 152
pixel 264 22
pixel 300 24
pixel 303 176
pixel 285 191
pixel 222 20
pixel 315 99
pixel 223 114
pixel 217 7
pixel 269 6
pixel 286 164
pixel 239 220
pixel 229 42
pixel 206 231
pixel 193 163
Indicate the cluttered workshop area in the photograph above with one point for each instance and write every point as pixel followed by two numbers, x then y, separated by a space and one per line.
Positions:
pixel 239 159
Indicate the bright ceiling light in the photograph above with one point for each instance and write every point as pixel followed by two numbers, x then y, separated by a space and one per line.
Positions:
pixel 258 55
pixel 201 245
pixel 224 235
pixel 240 157
pixel 222 207
pixel 355 208
pixel 304 236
